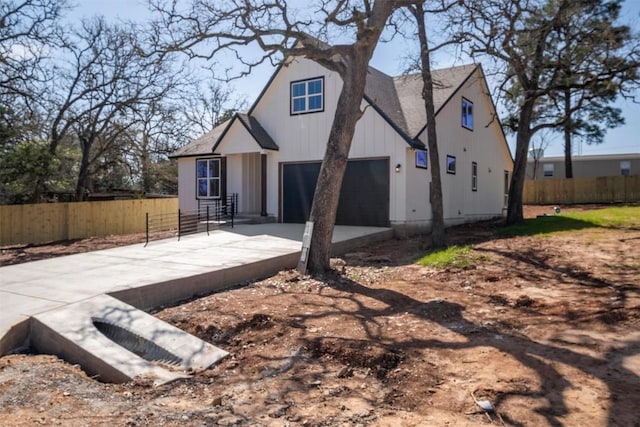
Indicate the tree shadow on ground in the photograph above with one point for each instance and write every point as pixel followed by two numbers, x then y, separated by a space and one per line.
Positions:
pixel 624 387
pixel 565 273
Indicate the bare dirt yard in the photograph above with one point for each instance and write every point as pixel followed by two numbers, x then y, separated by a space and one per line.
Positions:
pixel 542 331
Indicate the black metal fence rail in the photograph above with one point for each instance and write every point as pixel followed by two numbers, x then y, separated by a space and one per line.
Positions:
pixel 221 212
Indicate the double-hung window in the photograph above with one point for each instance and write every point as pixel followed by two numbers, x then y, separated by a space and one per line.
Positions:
pixel 467 114
pixel 208 178
pixel 547 169
pixel 307 96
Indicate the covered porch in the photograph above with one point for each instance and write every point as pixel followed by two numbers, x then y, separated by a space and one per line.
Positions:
pixel 244 145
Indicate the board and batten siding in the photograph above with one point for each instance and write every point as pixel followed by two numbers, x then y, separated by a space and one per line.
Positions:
pixel 303 137
pixel 485 145
pixel 187 183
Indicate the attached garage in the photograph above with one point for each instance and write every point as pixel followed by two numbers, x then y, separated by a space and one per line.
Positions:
pixel 364 197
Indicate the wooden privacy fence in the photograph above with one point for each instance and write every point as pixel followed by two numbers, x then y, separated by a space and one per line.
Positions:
pixel 50 222
pixel 605 189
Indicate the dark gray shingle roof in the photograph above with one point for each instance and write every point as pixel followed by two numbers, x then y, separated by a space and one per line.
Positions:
pixel 381 90
pixel 256 130
pixel 203 144
pixel 397 98
pixel 207 143
pixel 409 89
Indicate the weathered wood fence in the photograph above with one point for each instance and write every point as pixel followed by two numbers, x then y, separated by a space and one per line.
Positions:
pixel 50 222
pixel 606 189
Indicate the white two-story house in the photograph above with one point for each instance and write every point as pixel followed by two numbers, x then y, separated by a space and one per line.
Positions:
pixel 270 156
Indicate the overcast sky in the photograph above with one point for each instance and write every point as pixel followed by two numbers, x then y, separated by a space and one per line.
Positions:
pixel 389 58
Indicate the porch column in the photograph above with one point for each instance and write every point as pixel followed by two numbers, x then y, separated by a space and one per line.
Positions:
pixel 263 184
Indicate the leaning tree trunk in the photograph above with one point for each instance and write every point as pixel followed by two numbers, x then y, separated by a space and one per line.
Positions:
pixel 334 164
pixel 438 234
pixel 514 211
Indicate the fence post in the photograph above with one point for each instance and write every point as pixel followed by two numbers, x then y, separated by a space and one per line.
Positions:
pixel 179 224
pixel 207 220
pixel 147 228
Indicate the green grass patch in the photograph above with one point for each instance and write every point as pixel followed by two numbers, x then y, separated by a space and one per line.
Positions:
pixel 614 217
pixel 453 256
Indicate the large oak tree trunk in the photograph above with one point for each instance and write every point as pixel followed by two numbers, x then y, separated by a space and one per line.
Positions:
pixel 514 211
pixel 325 200
pixel 354 76
pixel 438 234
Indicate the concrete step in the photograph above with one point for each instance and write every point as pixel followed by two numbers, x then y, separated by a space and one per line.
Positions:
pixel 115 342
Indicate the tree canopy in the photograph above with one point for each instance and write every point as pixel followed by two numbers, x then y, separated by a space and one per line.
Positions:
pixel 84 108
pixel 544 50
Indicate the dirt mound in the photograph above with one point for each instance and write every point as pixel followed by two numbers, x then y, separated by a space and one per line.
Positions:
pixel 357 353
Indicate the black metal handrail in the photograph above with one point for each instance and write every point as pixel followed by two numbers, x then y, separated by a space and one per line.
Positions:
pixel 218 213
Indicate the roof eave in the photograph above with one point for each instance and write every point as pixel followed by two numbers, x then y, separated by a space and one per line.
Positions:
pixel 453 94
pixel 412 142
pixel 255 138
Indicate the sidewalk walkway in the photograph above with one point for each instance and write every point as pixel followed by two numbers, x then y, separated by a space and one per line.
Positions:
pixel 162 273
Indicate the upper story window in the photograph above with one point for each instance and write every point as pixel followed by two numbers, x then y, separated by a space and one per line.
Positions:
pixel 548 169
pixel 451 164
pixel 467 114
pixel 625 168
pixel 307 96
pixel 208 178
pixel 421 159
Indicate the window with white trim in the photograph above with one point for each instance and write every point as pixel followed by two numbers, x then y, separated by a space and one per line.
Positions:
pixel 208 178
pixel 307 96
pixel 474 176
pixel 625 168
pixel 548 169
pixel 467 114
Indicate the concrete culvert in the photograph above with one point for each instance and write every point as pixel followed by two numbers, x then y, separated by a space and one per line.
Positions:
pixel 136 344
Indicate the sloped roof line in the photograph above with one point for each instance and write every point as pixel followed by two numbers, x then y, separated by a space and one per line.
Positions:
pixel 452 94
pixel 255 129
pixel 201 145
pixel 381 92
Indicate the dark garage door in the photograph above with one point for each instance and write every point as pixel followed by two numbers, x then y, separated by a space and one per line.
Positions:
pixel 364 198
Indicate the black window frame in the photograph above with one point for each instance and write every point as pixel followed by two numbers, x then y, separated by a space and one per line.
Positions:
pixel 209 178
pixel 306 96
pixel 451 171
pixel 422 163
pixel 506 183
pixel 467 113
pixel 474 176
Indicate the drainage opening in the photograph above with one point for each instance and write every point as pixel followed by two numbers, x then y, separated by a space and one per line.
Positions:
pixel 136 344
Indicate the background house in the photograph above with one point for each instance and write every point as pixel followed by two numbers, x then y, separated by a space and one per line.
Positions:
pixel 270 157
pixel 584 166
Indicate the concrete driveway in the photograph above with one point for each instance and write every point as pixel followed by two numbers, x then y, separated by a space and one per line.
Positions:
pixel 161 273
